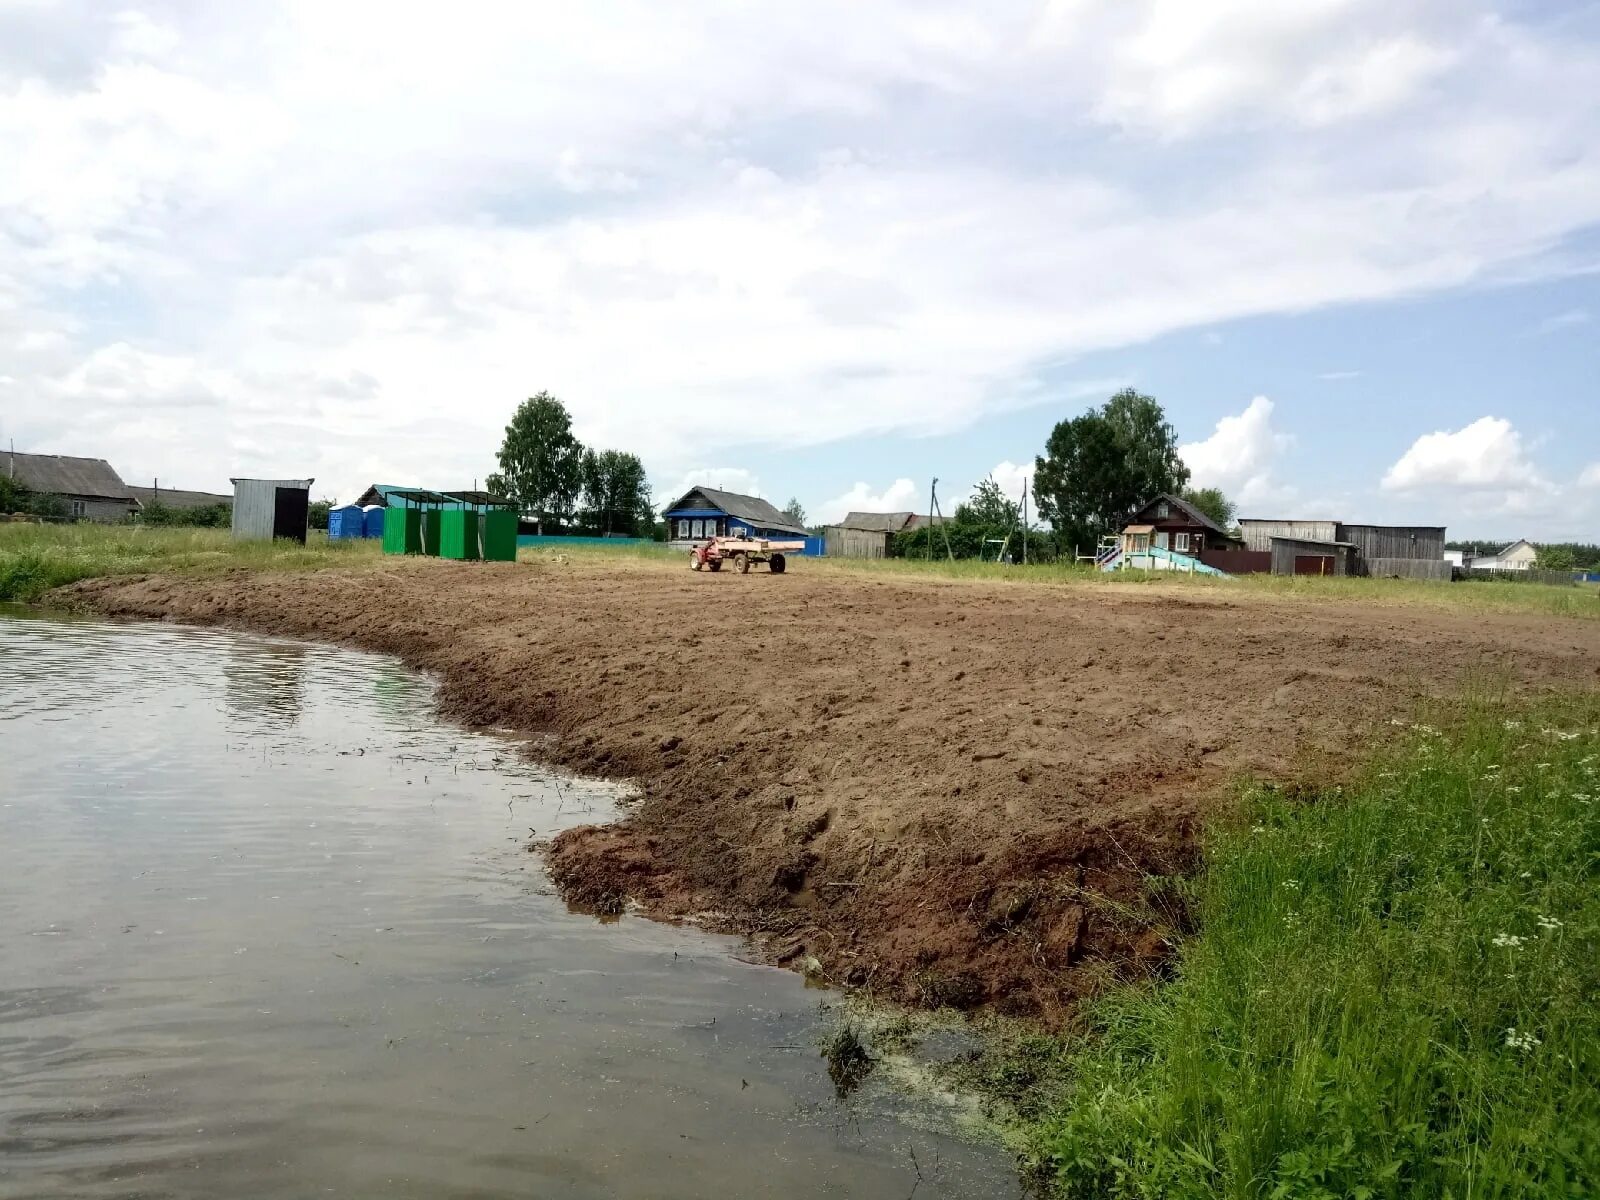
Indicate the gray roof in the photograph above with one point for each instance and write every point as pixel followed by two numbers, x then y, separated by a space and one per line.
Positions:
pixel 67 475
pixel 747 508
pixel 891 522
pixel 1193 513
pixel 178 498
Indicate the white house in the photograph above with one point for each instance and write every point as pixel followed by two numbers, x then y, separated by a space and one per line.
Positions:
pixel 1520 555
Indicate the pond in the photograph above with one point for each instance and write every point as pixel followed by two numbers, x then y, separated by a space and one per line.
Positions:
pixel 270 929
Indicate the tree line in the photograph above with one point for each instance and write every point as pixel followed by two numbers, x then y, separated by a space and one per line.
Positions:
pixel 1096 471
pixel 564 486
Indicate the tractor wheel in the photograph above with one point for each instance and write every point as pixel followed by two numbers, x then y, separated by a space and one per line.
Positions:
pixel 715 564
pixel 777 564
pixel 744 563
pixel 694 561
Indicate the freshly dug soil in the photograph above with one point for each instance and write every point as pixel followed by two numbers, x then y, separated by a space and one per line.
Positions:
pixel 951 792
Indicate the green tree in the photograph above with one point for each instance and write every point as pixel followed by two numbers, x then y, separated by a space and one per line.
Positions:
pixel 616 493
pixel 541 463
pixel 14 497
pixel 1213 503
pixel 317 514
pixel 1098 468
pixel 990 507
pixel 1557 558
pixel 794 511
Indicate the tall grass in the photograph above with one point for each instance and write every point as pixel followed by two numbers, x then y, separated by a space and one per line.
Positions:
pixel 1395 991
pixel 36 558
pixel 1475 597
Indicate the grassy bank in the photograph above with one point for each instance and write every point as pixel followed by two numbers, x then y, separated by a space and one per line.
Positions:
pixel 36 558
pixel 1392 993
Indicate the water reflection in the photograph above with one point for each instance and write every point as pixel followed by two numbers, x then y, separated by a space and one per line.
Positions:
pixel 250 954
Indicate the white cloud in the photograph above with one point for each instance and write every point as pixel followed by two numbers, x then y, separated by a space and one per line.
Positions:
pixel 1240 455
pixel 727 479
pixel 1573 318
pixel 1485 454
pixel 707 234
pixel 1590 476
pixel 1339 376
pixel 1484 468
pixel 903 495
pixel 1011 476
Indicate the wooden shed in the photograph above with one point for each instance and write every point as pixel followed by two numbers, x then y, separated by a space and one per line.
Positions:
pixel 1303 556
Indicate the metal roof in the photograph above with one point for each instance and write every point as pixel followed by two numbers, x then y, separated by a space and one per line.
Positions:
pixel 874 522
pixel 747 508
pixel 67 475
pixel 178 498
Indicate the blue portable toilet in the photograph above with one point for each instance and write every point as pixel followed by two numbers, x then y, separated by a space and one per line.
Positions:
pixel 372 521
pixel 345 521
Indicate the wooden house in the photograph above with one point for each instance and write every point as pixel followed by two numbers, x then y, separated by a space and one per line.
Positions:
pixel 88 487
pixel 1170 522
pixel 704 512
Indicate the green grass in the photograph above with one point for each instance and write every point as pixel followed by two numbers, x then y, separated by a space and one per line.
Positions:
pixel 1395 990
pixel 36 558
pixel 1474 597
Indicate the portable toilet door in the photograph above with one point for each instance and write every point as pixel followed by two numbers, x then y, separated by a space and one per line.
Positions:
pixel 346 522
pixel 372 521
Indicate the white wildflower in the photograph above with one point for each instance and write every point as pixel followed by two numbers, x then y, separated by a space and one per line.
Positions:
pixel 1513 725
pixel 1425 730
pixel 1542 766
pixel 1508 941
pixel 1520 1041
pixel 1492 767
pixel 1515 791
pixel 1258 829
pixel 1549 924
pixel 1526 875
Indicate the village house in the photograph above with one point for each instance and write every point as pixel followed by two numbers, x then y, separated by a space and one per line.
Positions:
pixel 1171 523
pixel 88 487
pixel 1520 555
pixel 704 512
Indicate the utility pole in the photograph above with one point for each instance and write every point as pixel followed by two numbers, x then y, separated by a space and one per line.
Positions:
pixel 1024 520
pixel 933 491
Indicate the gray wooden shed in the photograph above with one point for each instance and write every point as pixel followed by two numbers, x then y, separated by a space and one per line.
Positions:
pixel 264 509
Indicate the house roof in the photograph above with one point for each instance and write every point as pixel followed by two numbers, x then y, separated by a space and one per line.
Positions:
pixel 178 498
pixel 747 508
pixel 874 522
pixel 67 475
pixel 1505 550
pixel 1189 510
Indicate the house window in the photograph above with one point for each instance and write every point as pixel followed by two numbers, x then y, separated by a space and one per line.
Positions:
pixel 78 508
pixel 699 529
pixel 683 527
pixel 1180 543
pixel 1163 509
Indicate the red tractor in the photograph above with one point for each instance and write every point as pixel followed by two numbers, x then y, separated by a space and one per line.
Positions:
pixel 742 552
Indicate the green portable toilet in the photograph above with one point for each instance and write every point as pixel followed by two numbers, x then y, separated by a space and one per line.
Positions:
pixel 500 535
pixel 402 531
pixel 430 531
pixel 458 535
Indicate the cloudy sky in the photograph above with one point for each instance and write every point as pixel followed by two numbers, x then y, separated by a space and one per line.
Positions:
pixel 826 250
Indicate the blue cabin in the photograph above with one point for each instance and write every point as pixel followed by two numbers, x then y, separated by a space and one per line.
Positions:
pixel 346 521
pixel 704 512
pixel 372 521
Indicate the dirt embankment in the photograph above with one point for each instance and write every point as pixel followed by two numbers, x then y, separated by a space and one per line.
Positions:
pixel 950 791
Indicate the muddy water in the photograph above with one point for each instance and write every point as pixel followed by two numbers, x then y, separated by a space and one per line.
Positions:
pixel 267 930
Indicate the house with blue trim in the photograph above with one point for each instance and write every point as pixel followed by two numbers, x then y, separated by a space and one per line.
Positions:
pixel 704 512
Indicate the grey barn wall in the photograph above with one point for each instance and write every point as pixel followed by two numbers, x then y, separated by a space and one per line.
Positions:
pixel 1395 541
pixel 1258 534
pixel 255 504
pixel 1285 550
pixel 840 542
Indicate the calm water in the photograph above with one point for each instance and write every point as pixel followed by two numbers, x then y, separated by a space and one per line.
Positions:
pixel 268 930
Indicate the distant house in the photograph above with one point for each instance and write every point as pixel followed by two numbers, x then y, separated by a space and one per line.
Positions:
pixel 89 488
pixel 869 534
pixel 704 512
pixel 178 498
pixel 1320 547
pixel 1170 522
pixel 1520 555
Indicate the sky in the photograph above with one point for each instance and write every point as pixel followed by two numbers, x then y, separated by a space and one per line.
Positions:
pixel 826 251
